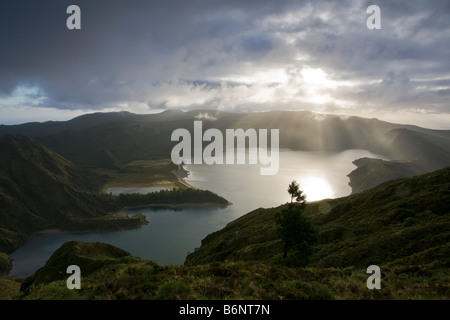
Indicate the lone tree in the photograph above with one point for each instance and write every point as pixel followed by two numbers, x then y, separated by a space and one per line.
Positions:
pixel 296 231
pixel 295 192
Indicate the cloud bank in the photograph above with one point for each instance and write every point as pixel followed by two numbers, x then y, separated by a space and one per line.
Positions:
pixel 148 56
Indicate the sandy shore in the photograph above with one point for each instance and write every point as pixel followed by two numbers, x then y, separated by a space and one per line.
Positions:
pixel 181 173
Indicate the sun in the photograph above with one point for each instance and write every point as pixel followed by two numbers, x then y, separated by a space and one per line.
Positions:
pixel 316 188
pixel 313 76
pixel 316 82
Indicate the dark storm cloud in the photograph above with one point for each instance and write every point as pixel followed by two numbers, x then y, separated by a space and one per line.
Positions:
pixel 121 43
pixel 257 44
pixel 224 54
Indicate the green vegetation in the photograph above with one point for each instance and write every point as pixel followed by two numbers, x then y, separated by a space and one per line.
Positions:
pixel 144 173
pixel 110 141
pixel 125 277
pixel 402 226
pixel 372 172
pixel 295 230
pixel 9 289
pixel 91 256
pixel 39 189
pixel 371 227
pixel 175 196
pixel 5 263
pixel 417 151
pixel 295 192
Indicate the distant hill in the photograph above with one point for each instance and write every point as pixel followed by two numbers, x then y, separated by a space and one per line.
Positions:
pixel 299 130
pixel 92 256
pixel 417 152
pixel 372 172
pixel 402 226
pixel 39 189
pixel 111 140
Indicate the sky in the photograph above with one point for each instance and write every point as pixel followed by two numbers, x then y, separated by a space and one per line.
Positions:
pixel 231 55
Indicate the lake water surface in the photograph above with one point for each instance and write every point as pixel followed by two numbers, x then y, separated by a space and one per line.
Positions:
pixel 172 233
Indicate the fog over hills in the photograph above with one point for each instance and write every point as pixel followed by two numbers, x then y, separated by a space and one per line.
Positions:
pixel 112 139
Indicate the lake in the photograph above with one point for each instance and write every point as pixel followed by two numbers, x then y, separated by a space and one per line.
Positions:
pixel 172 233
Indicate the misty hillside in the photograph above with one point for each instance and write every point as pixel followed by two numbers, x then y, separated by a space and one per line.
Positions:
pixel 39 190
pixel 299 130
pixel 113 139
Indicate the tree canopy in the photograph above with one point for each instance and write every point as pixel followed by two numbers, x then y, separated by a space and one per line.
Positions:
pixel 295 192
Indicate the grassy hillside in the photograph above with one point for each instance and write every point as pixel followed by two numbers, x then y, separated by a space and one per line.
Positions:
pixel 144 173
pixel 372 172
pixel 9 289
pixel 429 146
pixel 402 226
pixel 39 189
pixel 5 263
pixel 91 256
pixel 403 219
pixel 417 152
pixel 110 274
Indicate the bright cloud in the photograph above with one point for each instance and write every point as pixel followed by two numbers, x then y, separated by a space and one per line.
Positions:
pixel 226 55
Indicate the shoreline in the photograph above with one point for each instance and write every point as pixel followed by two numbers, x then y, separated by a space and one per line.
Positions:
pixel 179 205
pixel 180 173
pixel 51 231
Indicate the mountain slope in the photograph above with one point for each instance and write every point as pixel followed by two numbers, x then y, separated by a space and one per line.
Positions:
pixel 111 140
pixel 431 151
pixel 402 226
pixel 127 137
pixel 403 219
pixel 372 172
pixel 417 152
pixel 92 256
pixel 39 189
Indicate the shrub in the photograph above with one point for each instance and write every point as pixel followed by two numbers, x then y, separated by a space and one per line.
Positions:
pixel 174 290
